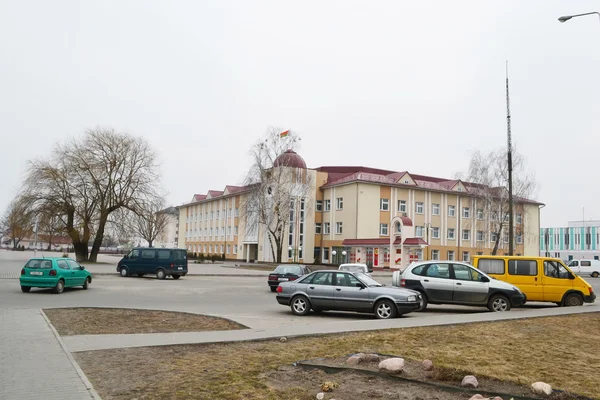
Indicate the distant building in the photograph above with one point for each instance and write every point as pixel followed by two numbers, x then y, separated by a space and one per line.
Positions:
pixel 577 240
pixel 170 235
pixel 44 242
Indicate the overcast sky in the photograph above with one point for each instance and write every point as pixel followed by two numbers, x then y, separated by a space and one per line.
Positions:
pixel 400 85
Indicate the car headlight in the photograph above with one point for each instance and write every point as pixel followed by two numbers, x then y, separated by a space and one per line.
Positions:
pixel 412 298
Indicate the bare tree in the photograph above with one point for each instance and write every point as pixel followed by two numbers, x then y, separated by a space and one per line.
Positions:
pixel 89 178
pixel 487 181
pixel 50 225
pixel 275 189
pixel 151 220
pixel 17 223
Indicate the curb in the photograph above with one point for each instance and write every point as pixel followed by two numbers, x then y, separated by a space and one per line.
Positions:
pixel 80 372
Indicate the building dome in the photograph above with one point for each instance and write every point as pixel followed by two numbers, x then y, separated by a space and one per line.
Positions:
pixel 290 159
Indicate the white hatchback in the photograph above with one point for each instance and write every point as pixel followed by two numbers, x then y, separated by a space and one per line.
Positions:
pixel 355 267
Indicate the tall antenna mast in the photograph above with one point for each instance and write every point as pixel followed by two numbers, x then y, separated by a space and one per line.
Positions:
pixel 510 186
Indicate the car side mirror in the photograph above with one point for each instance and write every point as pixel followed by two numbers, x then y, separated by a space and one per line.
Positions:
pixel 571 276
pixel 126 256
pixel 484 279
pixel 370 270
pixel 360 285
pixel 81 267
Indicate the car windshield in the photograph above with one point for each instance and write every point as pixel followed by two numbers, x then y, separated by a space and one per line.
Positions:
pixel 367 280
pixel 288 269
pixel 35 264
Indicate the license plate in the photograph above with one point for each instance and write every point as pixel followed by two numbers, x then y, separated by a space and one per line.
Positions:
pixel 283 279
pixel 179 267
pixel 36 273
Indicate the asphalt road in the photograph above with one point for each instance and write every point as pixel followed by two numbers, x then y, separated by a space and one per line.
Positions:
pixel 247 300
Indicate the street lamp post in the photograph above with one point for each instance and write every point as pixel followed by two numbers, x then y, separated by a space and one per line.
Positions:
pixel 333 253
pixel 565 18
pixel 344 255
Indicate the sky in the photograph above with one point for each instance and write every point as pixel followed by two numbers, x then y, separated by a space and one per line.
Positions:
pixel 399 85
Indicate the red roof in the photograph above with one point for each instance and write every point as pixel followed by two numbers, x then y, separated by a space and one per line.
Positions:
pixel 199 197
pixel 290 159
pixel 414 242
pixel 215 193
pixel 406 221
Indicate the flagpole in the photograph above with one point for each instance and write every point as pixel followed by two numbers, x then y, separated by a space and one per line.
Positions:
pixel 510 171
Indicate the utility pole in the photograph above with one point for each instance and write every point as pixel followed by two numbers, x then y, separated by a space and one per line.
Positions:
pixel 511 221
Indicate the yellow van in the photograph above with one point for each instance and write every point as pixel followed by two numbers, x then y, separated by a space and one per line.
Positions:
pixel 539 278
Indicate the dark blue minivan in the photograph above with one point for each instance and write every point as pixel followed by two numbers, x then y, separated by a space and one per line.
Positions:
pixel 150 261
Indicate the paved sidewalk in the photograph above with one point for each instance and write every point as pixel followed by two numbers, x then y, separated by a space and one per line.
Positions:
pixel 102 342
pixel 33 363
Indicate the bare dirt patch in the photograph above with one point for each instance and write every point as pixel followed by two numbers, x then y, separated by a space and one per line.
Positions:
pixel 98 321
pixel 511 354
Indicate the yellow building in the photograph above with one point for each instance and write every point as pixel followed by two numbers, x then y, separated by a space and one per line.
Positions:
pixel 356 214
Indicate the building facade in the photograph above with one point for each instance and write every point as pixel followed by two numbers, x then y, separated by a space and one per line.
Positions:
pixel 577 240
pixel 356 214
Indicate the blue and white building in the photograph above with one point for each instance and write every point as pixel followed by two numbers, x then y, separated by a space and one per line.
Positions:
pixel 578 240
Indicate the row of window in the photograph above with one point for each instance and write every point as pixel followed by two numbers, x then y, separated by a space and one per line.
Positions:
pixel 325 228
pixel 384 205
pixel 523 267
pixel 220 214
pixel 210 233
pixel 209 249
pixel 567 238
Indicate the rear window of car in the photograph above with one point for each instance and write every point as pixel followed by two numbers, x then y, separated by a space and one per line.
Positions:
pixel 419 270
pixel 39 264
pixel 491 266
pixel 179 255
pixel 352 268
pixel 289 269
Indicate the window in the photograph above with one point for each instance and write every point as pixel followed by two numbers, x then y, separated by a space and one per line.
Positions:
pixel 319 205
pixel 419 231
pixel 383 229
pixel 480 236
pixel 519 218
pixel 451 255
pixel 340 203
pixel 462 272
pixel 435 254
pixel 420 270
pixel 554 269
pixel 480 213
pixel 493 237
pixel 163 254
pixel 62 264
pixel 451 233
pixel 586 263
pixel 519 238
pixel 326 253
pixel 435 232
pixel 419 207
pixel 506 238
pixel 466 256
pixel 438 271
pixel 217 214
pixel 466 212
pixel 228 249
pixel 435 209
pixel 522 267
pixel 338 228
pixel 235 230
pixel 326 228
pixel 327 205
pixel 235 249
pixel 318 227
pixel 148 253
pixel 451 211
pixel 322 278
pixel 222 249
pixel 466 234
pixel 384 204
pixel 346 280
pixel 401 205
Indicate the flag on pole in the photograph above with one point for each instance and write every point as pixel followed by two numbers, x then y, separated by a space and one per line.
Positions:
pixel 284 134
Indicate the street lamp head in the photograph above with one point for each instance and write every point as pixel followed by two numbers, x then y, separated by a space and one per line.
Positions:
pixel 290 248
pixel 344 253
pixel 565 18
pixel 334 252
pixel 299 248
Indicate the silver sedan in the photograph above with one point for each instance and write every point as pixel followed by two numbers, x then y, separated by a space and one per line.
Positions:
pixel 346 291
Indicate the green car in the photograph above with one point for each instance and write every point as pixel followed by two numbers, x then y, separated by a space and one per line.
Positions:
pixel 55 272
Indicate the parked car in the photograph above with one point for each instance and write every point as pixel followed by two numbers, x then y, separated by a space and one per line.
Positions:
pixel 346 291
pixel 159 262
pixel 355 267
pixel 56 273
pixel 451 282
pixel 539 278
pixel 286 272
pixel 585 267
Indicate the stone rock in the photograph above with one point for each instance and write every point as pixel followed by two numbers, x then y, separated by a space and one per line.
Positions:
pixel 478 397
pixel 469 381
pixel 283 339
pixel 329 386
pixel 354 360
pixel 320 396
pixel 392 365
pixel 368 357
pixel 497 398
pixel 427 365
pixel 541 388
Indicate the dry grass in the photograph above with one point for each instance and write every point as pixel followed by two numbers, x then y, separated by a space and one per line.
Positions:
pixel 558 350
pixel 96 321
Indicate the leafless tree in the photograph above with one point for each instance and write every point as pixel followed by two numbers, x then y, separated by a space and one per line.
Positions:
pixel 275 192
pixel 17 223
pixel 87 179
pixel 487 179
pixel 150 220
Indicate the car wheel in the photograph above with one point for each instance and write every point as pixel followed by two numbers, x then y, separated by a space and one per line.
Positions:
pixel 424 302
pixel 573 300
pixel 161 274
pixel 25 289
pixel 124 272
pixel 594 274
pixel 175 276
pixel 499 303
pixel 273 288
pixel 87 282
pixel 60 287
pixel 140 275
pixel 385 309
pixel 300 305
